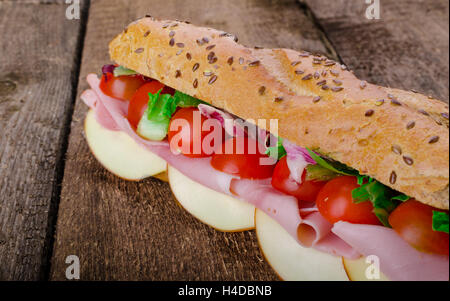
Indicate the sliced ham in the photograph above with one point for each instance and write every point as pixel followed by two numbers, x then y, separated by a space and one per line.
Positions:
pixel 102 115
pixel 398 260
pixel 310 229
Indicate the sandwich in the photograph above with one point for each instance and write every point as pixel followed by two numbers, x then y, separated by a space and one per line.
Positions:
pixel 341 179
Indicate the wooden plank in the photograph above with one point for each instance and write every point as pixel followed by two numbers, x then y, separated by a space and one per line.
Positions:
pixel 37 62
pixel 408 47
pixel 135 231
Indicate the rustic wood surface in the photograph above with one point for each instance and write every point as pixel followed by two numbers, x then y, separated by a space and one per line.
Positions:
pixel 129 231
pixel 406 48
pixel 136 231
pixel 38 66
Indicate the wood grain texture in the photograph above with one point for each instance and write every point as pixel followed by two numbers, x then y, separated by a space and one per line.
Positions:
pixel 38 56
pixel 408 47
pixel 136 231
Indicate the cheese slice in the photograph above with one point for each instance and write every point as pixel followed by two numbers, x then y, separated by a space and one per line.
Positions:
pixel 218 210
pixel 119 153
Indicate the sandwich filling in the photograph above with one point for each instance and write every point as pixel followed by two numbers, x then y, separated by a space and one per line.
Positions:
pixel 321 203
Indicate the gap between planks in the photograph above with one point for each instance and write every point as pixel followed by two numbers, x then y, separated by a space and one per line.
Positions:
pixel 60 160
pixel 323 34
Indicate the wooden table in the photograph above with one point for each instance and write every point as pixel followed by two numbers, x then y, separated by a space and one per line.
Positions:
pixel 56 200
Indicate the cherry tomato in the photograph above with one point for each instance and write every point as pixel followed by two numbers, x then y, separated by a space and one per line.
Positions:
pixel 282 181
pixel 245 163
pixel 190 137
pixel 121 87
pixel 139 101
pixel 413 221
pixel 335 203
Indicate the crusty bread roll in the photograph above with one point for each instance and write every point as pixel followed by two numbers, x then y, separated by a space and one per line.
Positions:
pixel 399 138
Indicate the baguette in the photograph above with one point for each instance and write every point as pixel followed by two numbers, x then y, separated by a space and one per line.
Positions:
pixel 399 138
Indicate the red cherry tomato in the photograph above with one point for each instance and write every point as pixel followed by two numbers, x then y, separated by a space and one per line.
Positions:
pixel 413 221
pixel 245 163
pixel 190 136
pixel 282 181
pixel 139 101
pixel 335 203
pixel 121 87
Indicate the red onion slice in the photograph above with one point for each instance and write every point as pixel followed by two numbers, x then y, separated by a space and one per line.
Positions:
pixel 297 160
pixel 228 122
pixel 108 69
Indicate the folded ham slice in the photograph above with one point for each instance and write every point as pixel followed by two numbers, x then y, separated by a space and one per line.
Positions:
pixel 398 260
pixel 310 229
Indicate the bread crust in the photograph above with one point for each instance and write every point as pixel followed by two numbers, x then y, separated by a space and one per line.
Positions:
pixel 399 138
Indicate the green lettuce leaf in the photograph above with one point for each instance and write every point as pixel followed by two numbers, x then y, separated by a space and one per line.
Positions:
pixel 318 173
pixel 379 194
pixel 160 106
pixel 363 179
pixel 440 221
pixel 313 171
pixel 154 124
pixel 277 152
pixel 383 198
pixel 382 215
pixel 401 197
pixel 334 166
pixel 185 101
pixel 119 71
